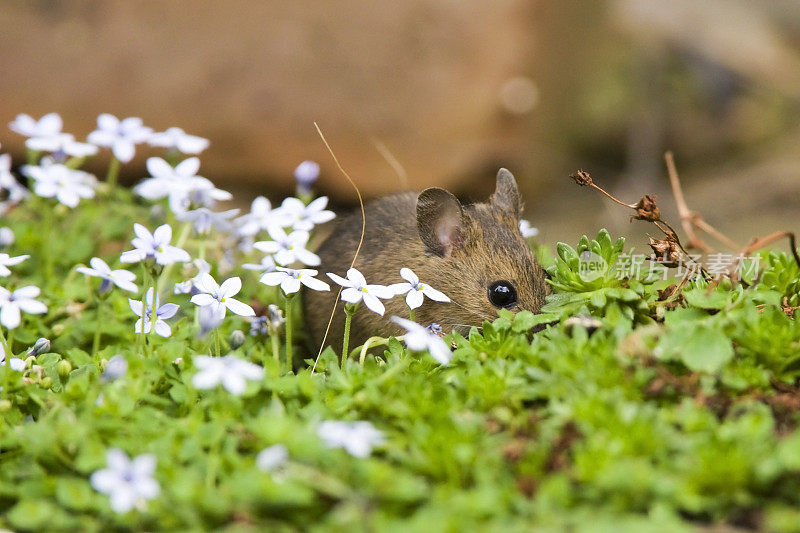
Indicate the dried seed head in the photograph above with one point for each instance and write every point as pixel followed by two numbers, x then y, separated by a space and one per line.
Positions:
pixel 646 209
pixel 582 178
pixel 667 250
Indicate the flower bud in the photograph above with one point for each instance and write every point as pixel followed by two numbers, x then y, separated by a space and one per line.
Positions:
pixel 46 382
pixel 64 367
pixel 306 174
pixel 236 339
pixel 276 318
pixel 42 345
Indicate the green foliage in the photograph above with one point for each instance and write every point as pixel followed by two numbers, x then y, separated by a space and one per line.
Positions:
pixel 781 274
pixel 666 413
pixel 593 279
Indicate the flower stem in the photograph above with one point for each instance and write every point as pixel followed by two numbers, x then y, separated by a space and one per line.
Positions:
pixel 276 350
pixel 153 311
pixel 6 364
pixel 289 331
pixel 113 172
pixel 412 315
pixel 96 341
pixel 181 242
pixel 145 283
pixel 216 342
pixel 349 310
pixel 49 258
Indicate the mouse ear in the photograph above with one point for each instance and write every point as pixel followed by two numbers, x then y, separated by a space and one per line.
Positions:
pixel 506 194
pixel 439 221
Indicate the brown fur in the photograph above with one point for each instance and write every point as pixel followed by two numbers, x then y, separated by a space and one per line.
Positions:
pixel 401 231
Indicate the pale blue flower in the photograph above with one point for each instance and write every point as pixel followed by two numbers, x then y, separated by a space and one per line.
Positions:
pixel 127 482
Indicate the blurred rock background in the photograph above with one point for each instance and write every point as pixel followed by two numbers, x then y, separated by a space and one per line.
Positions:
pixel 447 90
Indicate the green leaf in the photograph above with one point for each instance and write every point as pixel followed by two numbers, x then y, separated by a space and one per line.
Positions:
pixel 700 347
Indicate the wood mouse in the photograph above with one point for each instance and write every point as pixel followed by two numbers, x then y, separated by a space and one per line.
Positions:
pixel 474 254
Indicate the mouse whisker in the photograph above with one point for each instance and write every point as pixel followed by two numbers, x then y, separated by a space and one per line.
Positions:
pixel 471 312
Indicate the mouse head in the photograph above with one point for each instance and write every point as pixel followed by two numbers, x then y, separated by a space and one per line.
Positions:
pixel 478 252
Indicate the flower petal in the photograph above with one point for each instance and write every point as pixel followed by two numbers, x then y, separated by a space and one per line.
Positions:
pixel 314 283
pixel 351 295
pixel 290 285
pixel 435 295
pixel 163 234
pixel 240 308
pixel 162 328
pixel 414 299
pixel 408 275
pixel 203 299
pixel 9 315
pixel 356 277
pixel 340 280
pixel 230 287
pixel 373 304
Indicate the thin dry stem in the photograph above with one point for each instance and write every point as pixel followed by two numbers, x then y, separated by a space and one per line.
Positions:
pixel 393 162
pixel 759 243
pixel 686 215
pixel 358 248
pixel 594 186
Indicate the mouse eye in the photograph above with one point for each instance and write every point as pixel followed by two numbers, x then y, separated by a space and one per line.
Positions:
pixel 502 294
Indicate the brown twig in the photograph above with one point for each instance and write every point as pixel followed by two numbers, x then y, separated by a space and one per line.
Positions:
pixel 686 215
pixel 759 243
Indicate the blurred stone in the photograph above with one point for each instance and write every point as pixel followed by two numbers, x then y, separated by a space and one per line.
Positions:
pixel 443 85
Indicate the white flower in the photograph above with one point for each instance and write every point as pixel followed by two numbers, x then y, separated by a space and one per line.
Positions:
pixel 414 290
pixel 196 192
pixel 11 188
pixel 527 230
pixel 164 178
pixel 290 279
pixel 177 139
pixel 21 299
pixel 219 297
pixel 272 458
pixel 191 284
pixel 6 235
pixel 167 310
pixel 128 483
pixel 15 363
pixel 181 184
pixel 61 145
pixel 47 126
pixel 121 278
pixel 232 372
pixel 67 185
pixel 7 261
pixel 287 249
pixel 116 367
pixel 266 265
pixel 154 246
pixel 121 136
pixel 306 174
pixel 305 217
pixel 261 217
pixel 357 438
pixel 203 219
pixel 356 290
pixel 419 339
